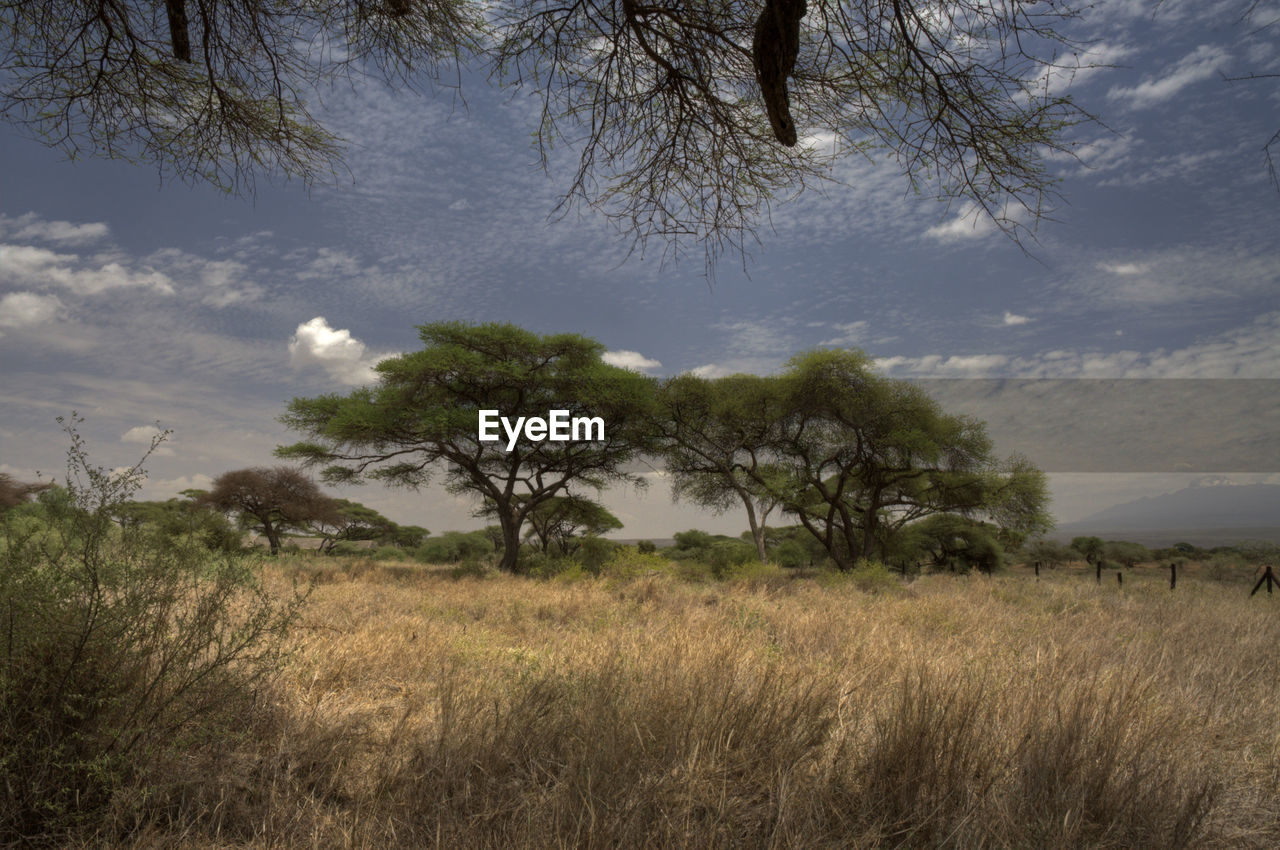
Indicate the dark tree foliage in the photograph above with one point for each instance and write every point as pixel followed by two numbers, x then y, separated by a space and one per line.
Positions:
pixel 14 492
pixel 689 118
pixel 272 500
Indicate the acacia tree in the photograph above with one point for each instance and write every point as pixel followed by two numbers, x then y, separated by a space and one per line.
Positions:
pixel 350 520
pixel 716 446
pixel 855 457
pixel 270 500
pixel 869 455
pixel 560 519
pixel 423 416
pixel 689 116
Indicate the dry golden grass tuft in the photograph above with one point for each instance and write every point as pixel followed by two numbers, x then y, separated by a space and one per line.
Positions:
pixel 424 710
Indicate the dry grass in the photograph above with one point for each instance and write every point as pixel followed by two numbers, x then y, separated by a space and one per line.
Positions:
pixel 422 710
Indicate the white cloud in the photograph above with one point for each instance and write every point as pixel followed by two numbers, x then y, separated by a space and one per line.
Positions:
pixel 218 283
pixel 341 355
pixel 143 434
pixel 633 360
pixel 1015 319
pixel 31 266
pixel 1125 268
pixel 31 226
pixel 1201 64
pixel 971 223
pixel 22 309
pixel 1078 68
pixel 710 370
pixel 851 333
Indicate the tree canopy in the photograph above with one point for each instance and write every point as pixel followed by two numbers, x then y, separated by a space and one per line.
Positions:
pixel 688 119
pixel 423 416
pixel 854 456
pixel 271 500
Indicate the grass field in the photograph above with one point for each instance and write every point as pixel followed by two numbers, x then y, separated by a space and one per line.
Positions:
pixel 423 709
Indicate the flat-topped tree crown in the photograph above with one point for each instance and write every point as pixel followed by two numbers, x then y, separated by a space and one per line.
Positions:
pixel 423 416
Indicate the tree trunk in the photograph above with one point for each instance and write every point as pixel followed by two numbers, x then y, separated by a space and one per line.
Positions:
pixel 757 528
pixel 510 538
pixel 272 533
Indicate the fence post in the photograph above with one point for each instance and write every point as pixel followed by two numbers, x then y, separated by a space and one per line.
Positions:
pixel 1099 571
pixel 1269 577
pixel 1037 570
pixel 1119 578
pixel 1173 576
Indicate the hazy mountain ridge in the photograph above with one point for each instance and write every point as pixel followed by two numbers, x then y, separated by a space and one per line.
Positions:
pixel 1214 513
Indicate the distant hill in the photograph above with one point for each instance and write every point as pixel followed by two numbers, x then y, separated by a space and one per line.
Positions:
pixel 1212 514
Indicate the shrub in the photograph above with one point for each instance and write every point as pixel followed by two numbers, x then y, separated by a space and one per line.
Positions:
pixel 629 562
pixel 646 547
pixel 791 554
pixel 122 652
pixel 594 552
pixel 453 547
pixel 389 553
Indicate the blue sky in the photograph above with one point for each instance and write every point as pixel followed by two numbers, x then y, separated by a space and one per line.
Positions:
pixel 134 300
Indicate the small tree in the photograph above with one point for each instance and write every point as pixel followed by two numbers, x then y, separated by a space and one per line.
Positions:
pixel 348 520
pixel 271 500
pixel 1089 548
pixel 562 518
pixel 1125 552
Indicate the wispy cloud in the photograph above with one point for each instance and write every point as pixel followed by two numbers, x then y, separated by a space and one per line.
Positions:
pixel 851 333
pixel 1015 319
pixel 1250 351
pixel 1201 64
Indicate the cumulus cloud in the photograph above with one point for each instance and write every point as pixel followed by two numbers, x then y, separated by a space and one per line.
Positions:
pixel 31 226
pixel 143 435
pixel 633 360
pixel 140 434
pixel 1201 64
pixel 1015 319
pixel 23 309
pixel 341 355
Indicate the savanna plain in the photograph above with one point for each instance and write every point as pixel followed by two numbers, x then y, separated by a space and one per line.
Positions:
pixel 650 706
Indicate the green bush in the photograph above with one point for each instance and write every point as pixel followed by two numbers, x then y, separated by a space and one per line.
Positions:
pixel 389 553
pixel 594 552
pixel 646 547
pixel 122 653
pixel 792 555
pixel 453 547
